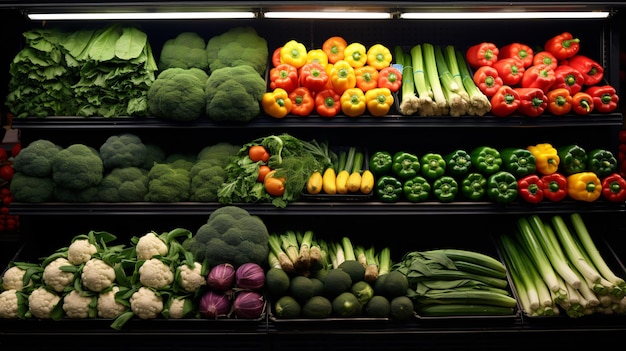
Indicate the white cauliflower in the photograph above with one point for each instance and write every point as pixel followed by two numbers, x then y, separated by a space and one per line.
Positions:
pixel 177 308
pixel 107 306
pixel 9 304
pixel 154 273
pixel 54 277
pixel 80 251
pixel 41 302
pixel 146 304
pixel 76 305
pixel 97 275
pixel 13 278
pixel 150 245
pixel 191 278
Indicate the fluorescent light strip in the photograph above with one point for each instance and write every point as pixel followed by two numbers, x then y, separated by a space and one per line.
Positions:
pixel 138 15
pixel 328 15
pixel 503 15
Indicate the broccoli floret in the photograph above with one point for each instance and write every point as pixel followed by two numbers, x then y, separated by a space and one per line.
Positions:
pixel 178 94
pixel 230 235
pixel 35 159
pixel 27 188
pixel 187 50
pixel 89 194
pixel 123 150
pixel 168 184
pixel 238 46
pixel 220 153
pixel 179 160
pixel 127 184
pixel 77 167
pixel 154 154
pixel 233 94
pixel 206 179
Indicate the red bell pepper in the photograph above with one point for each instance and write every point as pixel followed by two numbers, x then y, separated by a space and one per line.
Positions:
pixel 533 101
pixel 531 188
pixel 592 71
pixel 604 97
pixel 545 58
pixel 511 70
pixel 284 76
pixel 559 101
pixel 482 54
pixel 518 50
pixel 614 188
pixel 505 101
pixel 390 78
pixel 327 103
pixel 302 101
pixel 554 186
pixel 487 80
pixel 538 76
pixel 569 78
pixel 562 46
pixel 313 76
pixel 582 103
pixel 276 57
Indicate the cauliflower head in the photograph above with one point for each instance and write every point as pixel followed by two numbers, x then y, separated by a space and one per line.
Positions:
pixel 80 251
pixel 233 94
pixel 54 277
pixel 108 306
pixel 97 275
pixel 230 235
pixel 191 279
pixel 186 50
pixel 123 150
pixel 150 245
pixel 178 94
pixel 154 273
pixel 41 301
pixel 13 279
pixel 145 303
pixel 178 307
pixel 76 305
pixel 9 304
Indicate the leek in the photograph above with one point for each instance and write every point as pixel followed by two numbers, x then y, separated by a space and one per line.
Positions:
pixel 573 252
pixel 384 261
pixel 290 245
pixel 348 249
pixel 371 267
pixel 303 262
pixel 453 65
pixel 409 102
pixel 422 85
pixel 479 102
pixel 275 244
pixel 522 280
pixel 535 251
pixel 441 106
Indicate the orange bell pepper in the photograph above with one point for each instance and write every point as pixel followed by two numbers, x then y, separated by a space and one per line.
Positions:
pixel 559 101
pixel 284 76
pixel 327 103
pixel 379 56
pixel 584 186
pixel 378 101
pixel 302 101
pixel 276 103
pixel 293 53
pixel 390 78
pixel 334 47
pixel 353 102
pixel 342 76
pixel 366 77
pixel 355 54
pixel 582 103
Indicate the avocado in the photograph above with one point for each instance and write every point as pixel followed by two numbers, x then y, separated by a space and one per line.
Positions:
pixel 354 268
pixel 378 307
pixel 277 282
pixel 363 291
pixel 287 307
pixel 317 307
pixel 401 308
pixel 395 284
pixel 337 281
pixel 347 305
pixel 301 288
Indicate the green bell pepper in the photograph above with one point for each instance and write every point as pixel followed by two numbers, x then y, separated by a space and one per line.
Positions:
pixel 458 163
pixel 445 188
pixel 602 162
pixel 388 189
pixel 573 159
pixel 405 165
pixel 416 189
pixel 474 186
pixel 380 163
pixel 502 187
pixel 486 159
pixel 433 165
pixel 520 162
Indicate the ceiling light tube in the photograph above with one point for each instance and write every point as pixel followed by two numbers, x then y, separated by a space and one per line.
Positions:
pixel 139 15
pixel 504 15
pixel 328 15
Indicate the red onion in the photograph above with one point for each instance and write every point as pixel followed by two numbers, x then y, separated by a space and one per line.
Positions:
pixel 221 277
pixel 214 305
pixel 248 304
pixel 250 276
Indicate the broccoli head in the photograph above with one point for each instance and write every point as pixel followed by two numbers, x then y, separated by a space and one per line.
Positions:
pixel 123 150
pixel 128 184
pixel 220 153
pixel 168 184
pixel 181 160
pixel 154 154
pixel 35 159
pixel 27 188
pixel 230 235
pixel 186 50
pixel 178 94
pixel 77 167
pixel 89 194
pixel 234 94
pixel 206 179
pixel 238 46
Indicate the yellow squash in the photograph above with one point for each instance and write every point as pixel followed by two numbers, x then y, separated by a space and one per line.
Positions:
pixel 329 184
pixel 314 184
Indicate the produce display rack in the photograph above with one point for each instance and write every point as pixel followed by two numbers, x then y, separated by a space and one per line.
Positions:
pixel 44 226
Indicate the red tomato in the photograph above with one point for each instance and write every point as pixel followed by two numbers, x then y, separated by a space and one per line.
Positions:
pixel 4 155
pixel 263 171
pixel 16 149
pixel 6 172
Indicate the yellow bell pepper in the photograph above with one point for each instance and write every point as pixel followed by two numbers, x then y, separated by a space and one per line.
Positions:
pixel 293 53
pixel 378 101
pixel 276 103
pixel 584 186
pixel 342 76
pixel 379 56
pixel 546 158
pixel 317 55
pixel 353 102
pixel 355 54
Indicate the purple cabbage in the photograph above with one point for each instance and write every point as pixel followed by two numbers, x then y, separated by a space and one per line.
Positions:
pixel 248 304
pixel 221 278
pixel 250 276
